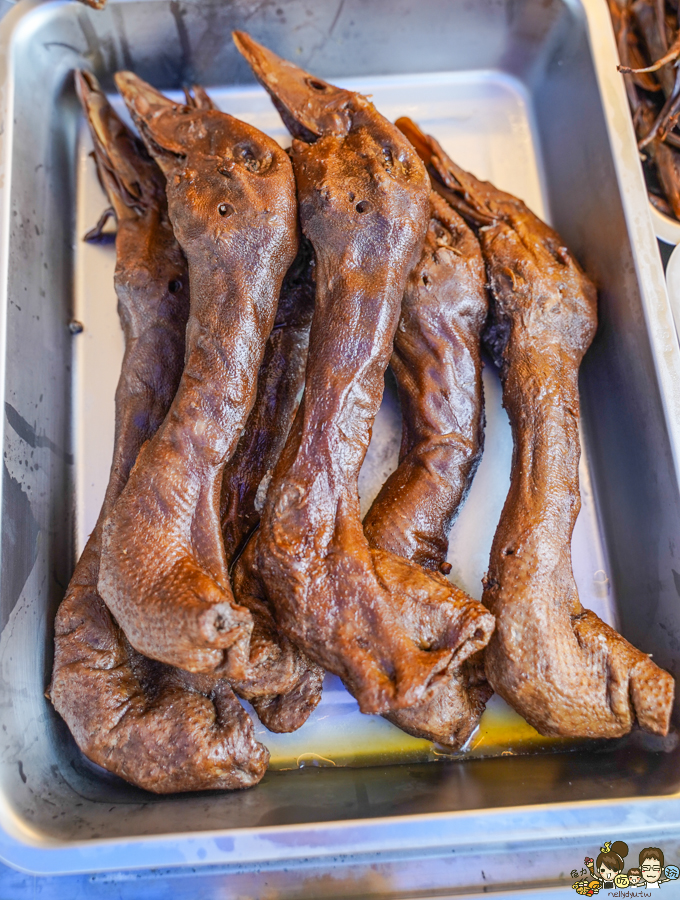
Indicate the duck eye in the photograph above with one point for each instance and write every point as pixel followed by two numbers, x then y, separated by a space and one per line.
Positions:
pixel 175 286
pixel 363 206
pixel 316 85
pixel 225 209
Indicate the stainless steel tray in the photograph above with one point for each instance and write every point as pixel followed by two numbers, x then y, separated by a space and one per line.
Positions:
pixel 525 93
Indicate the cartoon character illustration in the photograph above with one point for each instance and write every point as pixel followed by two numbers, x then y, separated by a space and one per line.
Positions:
pixel 606 873
pixel 672 872
pixel 587 888
pixel 634 877
pixel 610 863
pixel 651 866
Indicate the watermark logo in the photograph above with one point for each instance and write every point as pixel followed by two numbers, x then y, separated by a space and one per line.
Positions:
pixel 608 872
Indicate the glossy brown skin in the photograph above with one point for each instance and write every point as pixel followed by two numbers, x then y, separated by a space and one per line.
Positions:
pixel 437 364
pixel 282 683
pixel 158 727
pixel 387 627
pixel 164 572
pixel 556 663
pixel 280 381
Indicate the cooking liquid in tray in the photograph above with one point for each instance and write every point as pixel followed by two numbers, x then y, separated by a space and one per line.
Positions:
pixel 484 120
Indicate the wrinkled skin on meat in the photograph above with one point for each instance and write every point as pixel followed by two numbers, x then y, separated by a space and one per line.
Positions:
pixel 390 629
pixel 158 727
pixel 280 381
pixel 231 201
pixel 556 663
pixel 282 683
pixel 437 364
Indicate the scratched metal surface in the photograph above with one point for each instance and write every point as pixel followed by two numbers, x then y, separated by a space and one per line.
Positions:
pixel 334 883
pixel 529 76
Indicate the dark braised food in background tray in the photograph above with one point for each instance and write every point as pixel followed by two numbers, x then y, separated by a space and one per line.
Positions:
pixel 648 40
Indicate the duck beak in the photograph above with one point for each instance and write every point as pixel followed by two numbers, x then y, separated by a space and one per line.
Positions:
pixel 309 106
pixel 123 164
pixel 461 189
pixel 155 116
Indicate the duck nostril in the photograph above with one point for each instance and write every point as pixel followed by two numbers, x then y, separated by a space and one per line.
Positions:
pixel 316 85
pixel 175 286
pixel 363 206
pixel 225 209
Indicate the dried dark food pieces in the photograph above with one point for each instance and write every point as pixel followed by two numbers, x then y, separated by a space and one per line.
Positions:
pixel 648 41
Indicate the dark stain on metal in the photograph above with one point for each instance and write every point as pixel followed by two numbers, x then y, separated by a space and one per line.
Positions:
pixel 94 53
pixel 676 579
pixel 178 13
pixel 27 433
pixel 123 38
pixel 336 17
pixel 48 44
pixel 19 542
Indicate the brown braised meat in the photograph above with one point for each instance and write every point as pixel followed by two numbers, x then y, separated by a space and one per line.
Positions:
pixel 556 663
pixel 280 381
pixel 282 683
pixel 437 364
pixel 389 628
pixel 231 199
pixel 158 727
